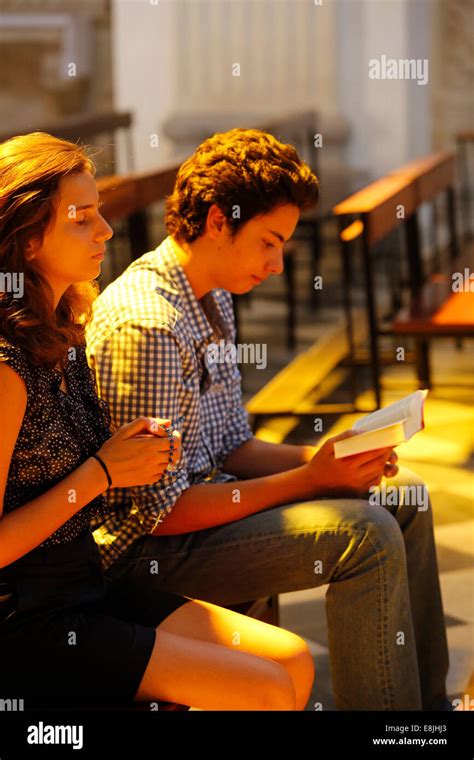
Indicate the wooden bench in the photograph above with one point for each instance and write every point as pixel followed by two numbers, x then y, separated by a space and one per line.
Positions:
pixel 371 215
pixel 86 128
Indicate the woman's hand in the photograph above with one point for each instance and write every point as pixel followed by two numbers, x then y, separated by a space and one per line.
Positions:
pixel 353 475
pixel 139 452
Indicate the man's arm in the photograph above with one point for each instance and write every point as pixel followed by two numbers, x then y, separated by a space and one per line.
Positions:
pixel 209 504
pixel 256 458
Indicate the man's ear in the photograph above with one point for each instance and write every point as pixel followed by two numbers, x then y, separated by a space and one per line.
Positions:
pixel 215 221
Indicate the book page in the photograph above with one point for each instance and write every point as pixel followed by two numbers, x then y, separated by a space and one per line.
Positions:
pixel 407 408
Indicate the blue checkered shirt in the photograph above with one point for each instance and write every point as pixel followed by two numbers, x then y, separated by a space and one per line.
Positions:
pixel 147 342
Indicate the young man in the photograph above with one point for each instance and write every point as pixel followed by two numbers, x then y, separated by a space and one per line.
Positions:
pixel 240 518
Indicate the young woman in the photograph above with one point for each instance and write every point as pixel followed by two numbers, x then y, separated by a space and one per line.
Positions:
pixel 65 632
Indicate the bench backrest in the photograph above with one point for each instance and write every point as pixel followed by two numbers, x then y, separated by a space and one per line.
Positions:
pixel 380 204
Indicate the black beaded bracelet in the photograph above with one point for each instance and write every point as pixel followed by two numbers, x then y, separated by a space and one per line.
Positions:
pixel 102 464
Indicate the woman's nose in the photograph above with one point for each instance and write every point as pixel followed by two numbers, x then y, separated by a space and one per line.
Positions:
pixel 106 231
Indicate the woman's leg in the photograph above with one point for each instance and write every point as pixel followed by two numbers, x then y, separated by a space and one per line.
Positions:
pixel 212 676
pixel 207 622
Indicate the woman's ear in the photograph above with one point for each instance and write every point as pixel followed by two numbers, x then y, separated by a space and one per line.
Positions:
pixel 31 249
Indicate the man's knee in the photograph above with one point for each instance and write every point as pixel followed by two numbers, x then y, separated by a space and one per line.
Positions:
pixel 381 529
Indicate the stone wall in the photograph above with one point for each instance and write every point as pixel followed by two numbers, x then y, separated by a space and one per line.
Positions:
pixel 452 57
pixel 37 84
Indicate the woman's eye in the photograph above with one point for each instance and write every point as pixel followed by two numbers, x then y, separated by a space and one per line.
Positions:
pixel 269 245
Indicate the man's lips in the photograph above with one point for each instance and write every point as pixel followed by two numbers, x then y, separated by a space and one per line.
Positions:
pixel 99 255
pixel 257 279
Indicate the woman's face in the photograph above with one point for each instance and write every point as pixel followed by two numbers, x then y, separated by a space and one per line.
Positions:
pixel 74 242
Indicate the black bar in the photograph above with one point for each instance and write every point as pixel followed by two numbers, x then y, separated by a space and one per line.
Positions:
pixel 347 303
pixel 316 246
pixel 415 264
pixel 138 233
pixel 371 317
pixel 290 302
pixel 453 238
pixel 423 367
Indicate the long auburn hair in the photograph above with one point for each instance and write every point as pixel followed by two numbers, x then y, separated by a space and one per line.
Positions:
pixel 31 167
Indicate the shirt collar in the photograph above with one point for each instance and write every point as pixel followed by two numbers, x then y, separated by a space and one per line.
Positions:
pixel 182 295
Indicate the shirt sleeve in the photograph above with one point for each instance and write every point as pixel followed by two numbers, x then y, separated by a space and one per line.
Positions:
pixel 139 372
pixel 13 356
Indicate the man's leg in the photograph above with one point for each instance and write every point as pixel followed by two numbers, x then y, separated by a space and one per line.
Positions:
pixel 357 548
pixel 412 509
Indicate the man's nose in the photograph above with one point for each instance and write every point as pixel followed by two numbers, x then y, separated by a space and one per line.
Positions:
pixel 275 265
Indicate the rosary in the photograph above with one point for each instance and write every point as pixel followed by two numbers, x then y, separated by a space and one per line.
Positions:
pixel 169 432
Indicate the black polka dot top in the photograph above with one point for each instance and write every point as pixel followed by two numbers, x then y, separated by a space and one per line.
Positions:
pixel 59 432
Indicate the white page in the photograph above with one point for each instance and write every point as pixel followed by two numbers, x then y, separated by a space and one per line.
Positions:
pixel 407 409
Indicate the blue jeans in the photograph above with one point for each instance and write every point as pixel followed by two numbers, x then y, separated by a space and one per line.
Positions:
pixel 387 639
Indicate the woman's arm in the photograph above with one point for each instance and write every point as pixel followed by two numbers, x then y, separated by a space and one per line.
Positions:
pixel 28 526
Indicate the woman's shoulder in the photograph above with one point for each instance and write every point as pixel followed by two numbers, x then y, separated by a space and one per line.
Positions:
pixel 12 354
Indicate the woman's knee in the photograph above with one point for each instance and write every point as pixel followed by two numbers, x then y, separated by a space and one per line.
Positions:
pixel 214 677
pixel 278 692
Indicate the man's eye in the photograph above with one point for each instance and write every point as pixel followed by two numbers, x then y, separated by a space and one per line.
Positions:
pixel 269 245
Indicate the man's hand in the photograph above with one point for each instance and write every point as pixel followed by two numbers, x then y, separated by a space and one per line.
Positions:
pixel 350 476
pixel 391 467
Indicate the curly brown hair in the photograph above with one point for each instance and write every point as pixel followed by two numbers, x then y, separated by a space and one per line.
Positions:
pixel 31 167
pixel 248 169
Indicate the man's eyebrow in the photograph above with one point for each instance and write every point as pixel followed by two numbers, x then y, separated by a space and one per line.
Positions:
pixel 277 234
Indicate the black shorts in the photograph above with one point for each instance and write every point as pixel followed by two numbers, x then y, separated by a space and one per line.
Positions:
pixel 75 637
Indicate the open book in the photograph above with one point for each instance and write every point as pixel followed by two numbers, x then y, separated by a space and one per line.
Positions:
pixel 385 427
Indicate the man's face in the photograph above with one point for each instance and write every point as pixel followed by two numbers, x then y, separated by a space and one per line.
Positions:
pixel 256 251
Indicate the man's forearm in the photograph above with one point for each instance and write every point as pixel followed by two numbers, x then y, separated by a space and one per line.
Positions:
pixel 209 504
pixel 255 458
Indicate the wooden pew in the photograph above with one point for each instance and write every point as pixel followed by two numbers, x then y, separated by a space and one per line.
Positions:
pixel 79 127
pixel 376 210
pixel 84 128
pixel 129 196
